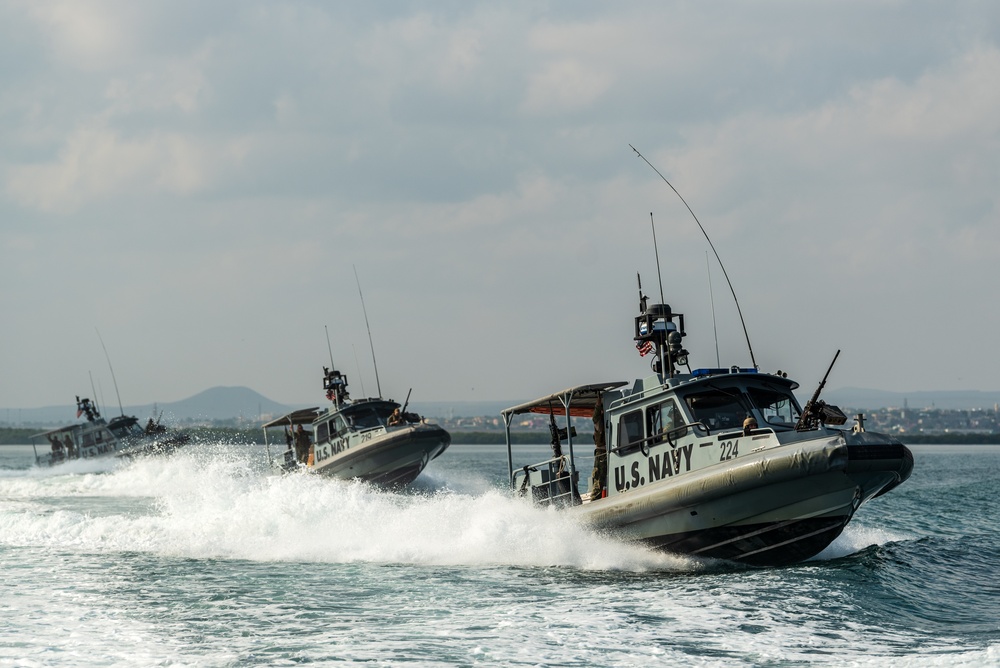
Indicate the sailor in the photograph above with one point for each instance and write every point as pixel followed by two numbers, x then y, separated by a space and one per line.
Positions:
pixel 396 418
pixel 749 425
pixel 57 448
pixel 598 479
pixel 70 448
pixel 150 426
pixel 301 444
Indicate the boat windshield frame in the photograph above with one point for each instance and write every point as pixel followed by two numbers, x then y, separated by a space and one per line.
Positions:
pixel 366 409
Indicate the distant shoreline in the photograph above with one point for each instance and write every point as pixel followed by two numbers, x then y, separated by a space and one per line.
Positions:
pixel 22 436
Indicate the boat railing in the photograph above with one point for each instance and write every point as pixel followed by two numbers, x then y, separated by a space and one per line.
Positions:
pixel 670 436
pixel 550 485
pixel 49 459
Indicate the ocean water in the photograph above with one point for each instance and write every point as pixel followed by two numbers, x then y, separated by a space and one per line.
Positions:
pixel 207 559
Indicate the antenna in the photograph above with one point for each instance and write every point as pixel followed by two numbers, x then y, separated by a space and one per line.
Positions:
pixel 328 346
pixel 358 364
pixel 93 390
pixel 711 294
pixel 370 343
pixel 657 251
pixel 108 357
pixel 700 226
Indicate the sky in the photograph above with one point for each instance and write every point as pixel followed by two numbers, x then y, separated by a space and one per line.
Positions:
pixel 200 188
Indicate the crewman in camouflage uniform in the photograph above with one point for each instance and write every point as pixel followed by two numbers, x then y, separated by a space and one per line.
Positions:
pixel 301 444
pixel 599 478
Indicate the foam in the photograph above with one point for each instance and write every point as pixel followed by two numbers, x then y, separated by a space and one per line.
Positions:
pixel 218 503
pixel 856 538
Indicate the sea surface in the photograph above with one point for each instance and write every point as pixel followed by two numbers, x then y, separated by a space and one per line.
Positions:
pixel 207 559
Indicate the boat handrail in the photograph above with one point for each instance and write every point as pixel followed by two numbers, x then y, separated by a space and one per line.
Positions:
pixel 553 467
pixel 645 443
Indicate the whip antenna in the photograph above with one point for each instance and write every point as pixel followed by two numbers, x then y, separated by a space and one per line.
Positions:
pixel 96 403
pixel 711 295
pixel 702 228
pixel 657 251
pixel 358 364
pixel 108 357
pixel 370 343
pixel 326 329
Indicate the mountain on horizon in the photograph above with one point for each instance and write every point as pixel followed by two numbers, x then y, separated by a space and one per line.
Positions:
pixel 224 403
pixel 216 403
pixel 228 403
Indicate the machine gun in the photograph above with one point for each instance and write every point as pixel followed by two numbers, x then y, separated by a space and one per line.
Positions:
pixel 412 418
pixel 817 411
pixel 557 435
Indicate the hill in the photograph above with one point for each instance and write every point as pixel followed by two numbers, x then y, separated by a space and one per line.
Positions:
pixel 229 403
pixel 217 403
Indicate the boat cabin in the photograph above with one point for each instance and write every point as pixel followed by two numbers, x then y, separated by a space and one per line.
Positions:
pixel 660 427
pixel 78 441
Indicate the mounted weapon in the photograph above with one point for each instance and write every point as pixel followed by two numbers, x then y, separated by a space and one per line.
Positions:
pixel 817 411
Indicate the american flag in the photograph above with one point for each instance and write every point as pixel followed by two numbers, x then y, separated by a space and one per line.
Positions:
pixel 644 347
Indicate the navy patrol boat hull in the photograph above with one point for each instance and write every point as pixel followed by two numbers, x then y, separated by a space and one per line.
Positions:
pixel 777 506
pixel 372 440
pixel 715 463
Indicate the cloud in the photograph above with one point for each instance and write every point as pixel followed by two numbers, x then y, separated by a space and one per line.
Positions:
pixel 887 164
pixel 472 160
pixel 87 35
pixel 97 163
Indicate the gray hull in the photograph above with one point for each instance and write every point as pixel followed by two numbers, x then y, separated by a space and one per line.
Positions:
pixel 770 508
pixel 391 459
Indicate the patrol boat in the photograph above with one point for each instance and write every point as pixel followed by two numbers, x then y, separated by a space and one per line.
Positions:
pixel 121 437
pixel 372 439
pixel 717 462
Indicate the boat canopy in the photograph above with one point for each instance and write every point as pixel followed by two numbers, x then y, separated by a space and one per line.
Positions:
pixel 60 430
pixel 579 401
pixel 301 416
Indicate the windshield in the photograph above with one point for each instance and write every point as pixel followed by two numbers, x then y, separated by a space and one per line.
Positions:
pixel 369 415
pixel 777 406
pixel 721 408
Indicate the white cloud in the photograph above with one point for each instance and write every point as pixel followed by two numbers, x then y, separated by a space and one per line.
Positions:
pixel 564 86
pixel 97 163
pixel 87 34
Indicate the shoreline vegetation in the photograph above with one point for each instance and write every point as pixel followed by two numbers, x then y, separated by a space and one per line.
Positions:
pixel 255 436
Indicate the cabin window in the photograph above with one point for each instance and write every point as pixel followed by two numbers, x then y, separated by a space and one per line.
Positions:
pixel 322 432
pixel 664 418
pixel 338 426
pixel 364 418
pixel 719 408
pixel 630 429
pixel 369 416
pixel 778 407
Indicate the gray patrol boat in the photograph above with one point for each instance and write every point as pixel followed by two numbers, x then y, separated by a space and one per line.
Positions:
pixel 97 437
pixel 374 439
pixel 718 462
